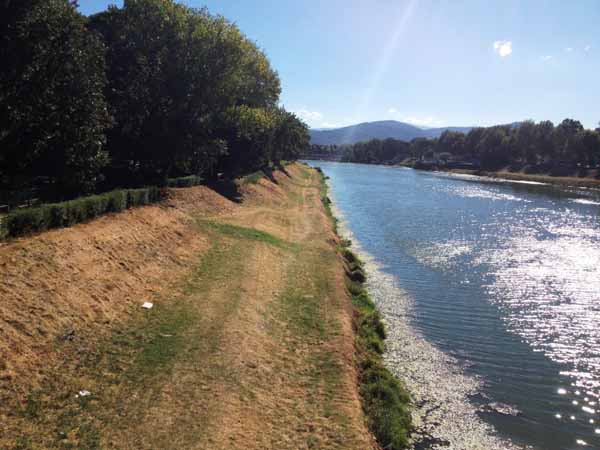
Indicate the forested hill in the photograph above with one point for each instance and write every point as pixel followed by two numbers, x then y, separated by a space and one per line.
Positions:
pixel 541 147
pixel 376 130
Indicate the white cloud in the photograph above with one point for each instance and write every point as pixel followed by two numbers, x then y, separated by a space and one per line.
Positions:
pixel 423 121
pixel 330 125
pixel 587 48
pixel 309 116
pixel 392 110
pixel 503 48
pixel 569 49
pixel 546 58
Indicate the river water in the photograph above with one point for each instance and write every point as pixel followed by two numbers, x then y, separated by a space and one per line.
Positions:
pixel 491 294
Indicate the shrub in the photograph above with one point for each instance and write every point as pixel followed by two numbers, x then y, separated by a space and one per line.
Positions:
pixel 182 182
pixel 253 178
pixel 385 401
pixel 116 201
pixel 25 221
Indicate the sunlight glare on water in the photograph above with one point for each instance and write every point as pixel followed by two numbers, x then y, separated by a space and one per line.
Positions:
pixel 504 278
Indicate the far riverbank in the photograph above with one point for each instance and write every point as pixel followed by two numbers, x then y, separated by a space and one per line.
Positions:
pixel 582 182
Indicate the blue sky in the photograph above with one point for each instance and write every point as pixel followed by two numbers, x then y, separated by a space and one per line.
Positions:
pixel 431 63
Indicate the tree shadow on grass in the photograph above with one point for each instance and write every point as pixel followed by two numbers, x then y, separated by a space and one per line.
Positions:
pixel 269 175
pixel 284 170
pixel 227 188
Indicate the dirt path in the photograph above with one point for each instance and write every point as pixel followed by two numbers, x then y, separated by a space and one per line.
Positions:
pixel 253 349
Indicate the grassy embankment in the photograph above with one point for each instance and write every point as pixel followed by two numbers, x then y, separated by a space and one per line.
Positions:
pixel 252 345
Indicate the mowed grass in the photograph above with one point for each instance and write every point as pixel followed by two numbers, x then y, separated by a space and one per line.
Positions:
pixel 252 234
pixel 159 380
pixel 125 373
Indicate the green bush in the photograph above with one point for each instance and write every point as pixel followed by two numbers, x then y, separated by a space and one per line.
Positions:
pixel 385 401
pixel 182 182
pixel 56 215
pixel 253 178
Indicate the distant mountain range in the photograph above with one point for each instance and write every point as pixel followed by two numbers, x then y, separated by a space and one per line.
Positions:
pixel 376 130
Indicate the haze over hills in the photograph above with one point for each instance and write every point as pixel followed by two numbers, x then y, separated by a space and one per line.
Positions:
pixel 376 130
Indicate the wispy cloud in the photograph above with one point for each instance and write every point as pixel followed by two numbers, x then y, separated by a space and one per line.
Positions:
pixel 429 121
pixel 547 58
pixel 569 49
pixel 331 125
pixel 503 48
pixel 309 116
pixel 587 48
pixel 423 121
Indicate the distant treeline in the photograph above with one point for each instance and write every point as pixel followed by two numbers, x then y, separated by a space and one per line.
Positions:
pixel 489 148
pixel 131 97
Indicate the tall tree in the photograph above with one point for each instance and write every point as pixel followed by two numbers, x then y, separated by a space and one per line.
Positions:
pixel 525 141
pixel 173 74
pixel 565 135
pixel 53 113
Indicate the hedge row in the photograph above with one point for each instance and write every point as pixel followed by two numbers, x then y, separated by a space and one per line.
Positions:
pixel 182 182
pixel 56 215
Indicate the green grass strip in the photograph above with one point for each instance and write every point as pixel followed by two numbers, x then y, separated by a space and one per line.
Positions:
pixel 252 234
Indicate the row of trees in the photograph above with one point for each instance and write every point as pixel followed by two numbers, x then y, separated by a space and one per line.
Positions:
pixel 133 95
pixel 525 143
pixel 568 143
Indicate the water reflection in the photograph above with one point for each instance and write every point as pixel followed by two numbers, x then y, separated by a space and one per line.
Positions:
pixel 505 277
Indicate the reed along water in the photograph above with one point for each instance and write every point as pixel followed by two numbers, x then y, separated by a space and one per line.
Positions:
pixel 503 278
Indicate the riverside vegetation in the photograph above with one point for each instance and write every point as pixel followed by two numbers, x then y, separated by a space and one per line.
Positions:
pixel 132 97
pixel 528 147
pixel 385 400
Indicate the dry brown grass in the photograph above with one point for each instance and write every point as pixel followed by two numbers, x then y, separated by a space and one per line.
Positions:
pixel 250 344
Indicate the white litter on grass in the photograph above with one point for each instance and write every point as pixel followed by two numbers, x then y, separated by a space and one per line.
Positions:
pixel 147 305
pixel 562 391
pixel 581 442
pixel 589 410
pixel 83 393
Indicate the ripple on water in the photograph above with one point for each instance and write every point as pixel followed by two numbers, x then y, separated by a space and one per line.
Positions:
pixel 438 387
pixel 505 279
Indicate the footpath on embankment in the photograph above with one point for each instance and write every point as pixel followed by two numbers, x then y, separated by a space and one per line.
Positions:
pixel 249 343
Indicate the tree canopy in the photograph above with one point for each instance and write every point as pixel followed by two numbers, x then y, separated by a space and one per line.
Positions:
pixel 133 95
pixel 53 114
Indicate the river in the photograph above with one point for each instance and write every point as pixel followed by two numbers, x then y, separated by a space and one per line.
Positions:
pixel 491 293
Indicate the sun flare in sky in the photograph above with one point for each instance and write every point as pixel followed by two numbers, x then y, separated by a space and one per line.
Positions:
pixel 429 63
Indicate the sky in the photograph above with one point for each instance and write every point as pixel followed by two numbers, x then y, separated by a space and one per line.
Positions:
pixel 430 63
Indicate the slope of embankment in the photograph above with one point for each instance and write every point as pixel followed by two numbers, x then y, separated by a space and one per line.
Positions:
pixel 249 344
